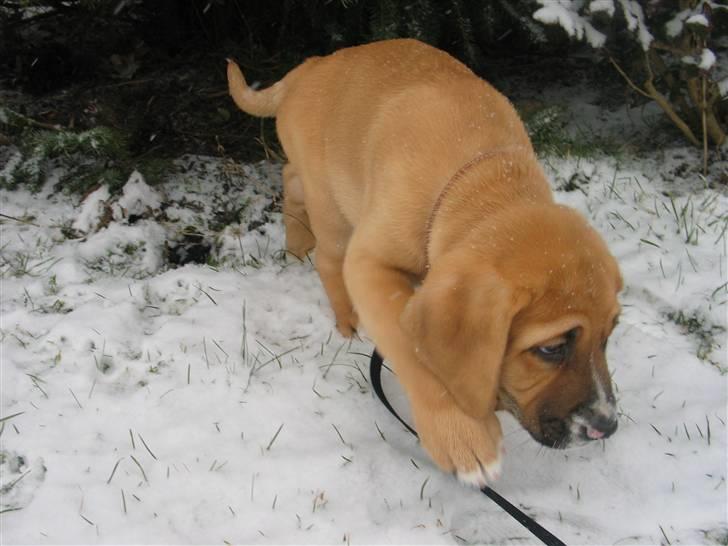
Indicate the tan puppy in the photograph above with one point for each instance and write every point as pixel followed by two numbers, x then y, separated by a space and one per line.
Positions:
pixel 404 167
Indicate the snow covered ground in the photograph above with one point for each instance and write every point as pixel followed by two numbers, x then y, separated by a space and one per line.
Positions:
pixel 217 403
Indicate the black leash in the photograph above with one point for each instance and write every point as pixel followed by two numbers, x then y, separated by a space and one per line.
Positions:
pixel 375 372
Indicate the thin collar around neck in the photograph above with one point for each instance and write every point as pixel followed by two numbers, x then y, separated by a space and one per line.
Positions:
pixel 460 173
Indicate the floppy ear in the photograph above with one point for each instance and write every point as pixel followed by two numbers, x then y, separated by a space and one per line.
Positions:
pixel 459 323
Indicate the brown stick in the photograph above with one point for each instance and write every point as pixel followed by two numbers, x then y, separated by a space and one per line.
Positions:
pixel 20 220
pixel 677 51
pixel 705 131
pixel 695 92
pixel 652 93
pixel 663 103
pixel 628 80
pixel 714 129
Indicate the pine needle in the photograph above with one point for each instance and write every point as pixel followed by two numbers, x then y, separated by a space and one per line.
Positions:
pixel 270 444
pixel 146 446
pixel 380 431
pixel 664 535
pixel 74 397
pixel 144 474
pixel 340 436
pixel 422 489
pixel 113 470
pixel 707 424
pixel 8 417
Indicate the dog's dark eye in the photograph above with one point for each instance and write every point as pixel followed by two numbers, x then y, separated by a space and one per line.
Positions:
pixel 551 353
pixel 557 350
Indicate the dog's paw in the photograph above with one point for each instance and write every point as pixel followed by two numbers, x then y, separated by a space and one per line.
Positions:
pixel 460 444
pixel 484 475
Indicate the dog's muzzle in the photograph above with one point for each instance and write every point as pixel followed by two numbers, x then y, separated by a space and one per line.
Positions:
pixel 592 421
pixel 596 421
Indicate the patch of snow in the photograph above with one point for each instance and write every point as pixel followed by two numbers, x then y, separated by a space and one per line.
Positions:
pixel 635 18
pixel 723 87
pixel 675 25
pixel 111 249
pixel 602 6
pixel 694 16
pixel 564 13
pixel 13 468
pixel 137 198
pixel 201 405
pixel 92 210
pixel 697 19
pixel 13 157
pixel 707 59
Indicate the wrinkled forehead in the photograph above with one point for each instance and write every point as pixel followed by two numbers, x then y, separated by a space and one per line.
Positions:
pixel 563 257
pixel 586 300
pixel 593 286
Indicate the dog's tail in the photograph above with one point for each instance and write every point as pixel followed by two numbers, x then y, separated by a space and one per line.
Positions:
pixel 263 103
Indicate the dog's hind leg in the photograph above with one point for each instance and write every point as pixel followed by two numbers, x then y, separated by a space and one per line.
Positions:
pixel 332 232
pixel 327 230
pixel 299 236
pixel 329 264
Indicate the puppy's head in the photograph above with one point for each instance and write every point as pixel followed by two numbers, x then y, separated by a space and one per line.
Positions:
pixel 517 318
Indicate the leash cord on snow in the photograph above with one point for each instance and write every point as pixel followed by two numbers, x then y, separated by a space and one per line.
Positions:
pixel 375 372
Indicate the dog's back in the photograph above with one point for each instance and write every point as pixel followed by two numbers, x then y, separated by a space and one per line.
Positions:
pixel 358 124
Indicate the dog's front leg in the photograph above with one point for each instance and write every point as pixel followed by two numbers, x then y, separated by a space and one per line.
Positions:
pixel 457 442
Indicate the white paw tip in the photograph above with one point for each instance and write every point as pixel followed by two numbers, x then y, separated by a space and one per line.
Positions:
pixel 474 478
pixel 483 475
pixel 493 470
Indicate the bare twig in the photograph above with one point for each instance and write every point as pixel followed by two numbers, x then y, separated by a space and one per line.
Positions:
pixel 628 79
pixel 663 103
pixel 705 129
pixel 18 219
pixel 651 92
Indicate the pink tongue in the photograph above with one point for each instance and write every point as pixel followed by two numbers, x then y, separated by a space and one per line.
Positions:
pixel 593 433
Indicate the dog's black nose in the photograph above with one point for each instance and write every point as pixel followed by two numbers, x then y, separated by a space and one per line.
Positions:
pixel 600 427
